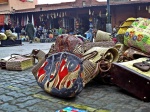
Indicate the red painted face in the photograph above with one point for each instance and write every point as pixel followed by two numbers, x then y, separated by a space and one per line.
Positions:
pixel 131 34
pixel 140 37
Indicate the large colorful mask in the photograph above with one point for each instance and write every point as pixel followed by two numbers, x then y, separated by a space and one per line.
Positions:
pixel 60 75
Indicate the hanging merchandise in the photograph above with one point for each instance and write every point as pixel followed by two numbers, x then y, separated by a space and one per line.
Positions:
pixel 32 20
pixel 139 8
pixel 100 13
pixel 6 19
pixel 50 26
pixel 89 12
pixel 63 14
pixel 51 16
pixel 27 19
pixel 77 23
pixel 42 17
pixel 90 19
pixel 47 16
pixel 17 20
pixel 60 14
pixel 22 21
pixel 9 20
pixel 149 9
pixel 93 13
pixel 54 15
pixel 146 8
pixel 64 22
pixel 74 23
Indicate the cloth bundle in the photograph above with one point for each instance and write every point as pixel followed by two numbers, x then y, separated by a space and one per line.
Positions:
pixel 69 43
pixel 10 35
pixel 3 36
pixel 138 35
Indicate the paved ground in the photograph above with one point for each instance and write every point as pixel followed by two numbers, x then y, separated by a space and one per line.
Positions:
pixel 19 92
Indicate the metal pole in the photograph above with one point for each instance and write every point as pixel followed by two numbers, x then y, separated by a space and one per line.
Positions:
pixel 108 12
pixel 108 25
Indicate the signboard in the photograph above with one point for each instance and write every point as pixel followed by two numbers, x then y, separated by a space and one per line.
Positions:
pixel 3 1
pixel 1 19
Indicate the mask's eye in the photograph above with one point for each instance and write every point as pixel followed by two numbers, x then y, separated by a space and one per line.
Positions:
pixel 72 65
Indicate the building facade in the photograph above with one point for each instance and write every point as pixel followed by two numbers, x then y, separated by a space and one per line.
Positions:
pixel 9 7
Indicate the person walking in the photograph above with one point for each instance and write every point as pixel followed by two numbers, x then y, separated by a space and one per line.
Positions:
pixel 18 31
pixel 30 31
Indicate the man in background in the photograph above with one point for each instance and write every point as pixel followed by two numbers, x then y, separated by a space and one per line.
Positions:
pixel 18 31
pixel 30 31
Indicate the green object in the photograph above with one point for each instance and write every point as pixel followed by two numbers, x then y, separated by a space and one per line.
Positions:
pixel 60 31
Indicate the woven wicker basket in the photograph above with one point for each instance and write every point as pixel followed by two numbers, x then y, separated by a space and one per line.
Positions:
pixel 102 36
pixel 89 45
pixel 96 53
pixel 19 63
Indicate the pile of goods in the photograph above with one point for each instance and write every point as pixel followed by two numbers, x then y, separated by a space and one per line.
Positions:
pixel 72 62
pixel 8 35
pixel 3 36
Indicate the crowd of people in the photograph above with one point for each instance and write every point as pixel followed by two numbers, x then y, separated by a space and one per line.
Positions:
pixel 29 32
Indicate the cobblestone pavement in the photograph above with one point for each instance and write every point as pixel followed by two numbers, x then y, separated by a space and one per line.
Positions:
pixel 19 92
